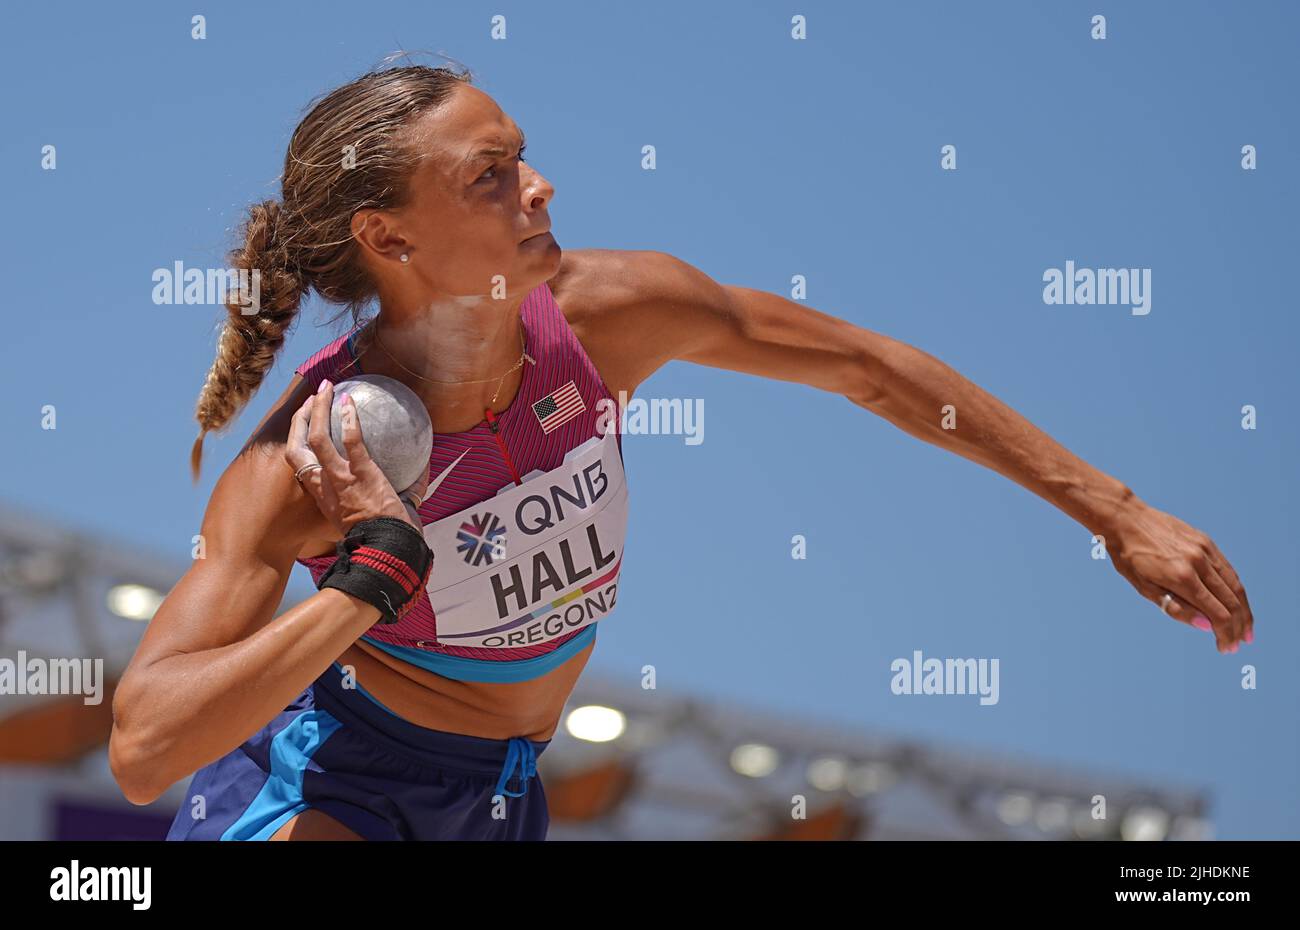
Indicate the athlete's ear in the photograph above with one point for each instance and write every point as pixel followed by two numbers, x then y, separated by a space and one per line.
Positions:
pixel 376 233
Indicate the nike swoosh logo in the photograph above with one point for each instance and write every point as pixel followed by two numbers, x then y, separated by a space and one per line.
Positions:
pixel 433 485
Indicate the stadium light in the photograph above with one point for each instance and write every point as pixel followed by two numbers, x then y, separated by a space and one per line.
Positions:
pixel 827 773
pixel 134 601
pixel 754 760
pixel 1015 809
pixel 595 723
pixel 1144 824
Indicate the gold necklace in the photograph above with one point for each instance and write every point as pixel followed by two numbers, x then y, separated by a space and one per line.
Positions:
pixel 374 335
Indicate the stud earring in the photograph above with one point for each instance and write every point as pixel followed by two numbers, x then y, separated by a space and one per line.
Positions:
pixel 405 257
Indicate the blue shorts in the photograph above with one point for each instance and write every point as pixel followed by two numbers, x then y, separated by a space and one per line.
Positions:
pixel 343 753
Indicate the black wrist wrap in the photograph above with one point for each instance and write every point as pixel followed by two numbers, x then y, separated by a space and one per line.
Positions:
pixel 384 562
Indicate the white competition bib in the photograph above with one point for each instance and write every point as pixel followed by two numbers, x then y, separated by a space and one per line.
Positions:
pixel 538 560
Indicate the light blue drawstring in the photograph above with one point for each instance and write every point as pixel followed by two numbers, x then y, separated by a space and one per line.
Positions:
pixel 520 755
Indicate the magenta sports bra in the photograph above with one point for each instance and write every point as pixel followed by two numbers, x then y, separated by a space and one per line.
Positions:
pixel 527 521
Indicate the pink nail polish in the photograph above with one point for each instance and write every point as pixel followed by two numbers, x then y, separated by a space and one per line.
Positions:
pixel 1250 637
pixel 1201 623
pixel 344 397
pixel 320 387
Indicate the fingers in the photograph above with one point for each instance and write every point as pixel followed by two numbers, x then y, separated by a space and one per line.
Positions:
pixel 318 430
pixel 1176 608
pixel 1236 610
pixel 1192 590
pixel 1227 573
pixel 1250 618
pixel 353 442
pixel 1183 612
pixel 1232 621
pixel 296 451
pixel 298 454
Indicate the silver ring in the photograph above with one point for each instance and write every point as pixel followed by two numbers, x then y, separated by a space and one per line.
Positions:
pixel 297 476
pixel 1165 602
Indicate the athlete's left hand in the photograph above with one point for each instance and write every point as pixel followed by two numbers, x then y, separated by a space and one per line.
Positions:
pixel 1158 553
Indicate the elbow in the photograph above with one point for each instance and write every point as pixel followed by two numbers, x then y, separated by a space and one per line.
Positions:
pixel 867 386
pixel 129 771
pixel 134 768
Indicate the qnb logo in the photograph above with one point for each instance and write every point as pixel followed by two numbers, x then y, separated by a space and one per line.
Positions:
pixel 482 540
pixel 80 882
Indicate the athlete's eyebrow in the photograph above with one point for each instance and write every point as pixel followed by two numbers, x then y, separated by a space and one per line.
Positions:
pixel 495 150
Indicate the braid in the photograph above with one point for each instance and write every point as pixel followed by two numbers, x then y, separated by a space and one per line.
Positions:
pixel 249 343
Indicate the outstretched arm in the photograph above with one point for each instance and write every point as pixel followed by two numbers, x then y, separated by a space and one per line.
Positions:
pixel 674 311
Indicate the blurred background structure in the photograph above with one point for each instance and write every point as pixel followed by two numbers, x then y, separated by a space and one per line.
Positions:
pixel 626 763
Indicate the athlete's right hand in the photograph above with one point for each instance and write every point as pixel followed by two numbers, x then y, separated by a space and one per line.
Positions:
pixel 347 490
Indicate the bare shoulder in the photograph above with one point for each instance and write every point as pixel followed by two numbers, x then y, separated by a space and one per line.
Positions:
pixel 622 305
pixel 593 285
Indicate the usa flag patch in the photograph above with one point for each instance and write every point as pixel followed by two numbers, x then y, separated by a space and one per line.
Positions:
pixel 558 407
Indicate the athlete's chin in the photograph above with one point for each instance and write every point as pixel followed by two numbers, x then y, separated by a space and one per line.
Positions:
pixel 541 252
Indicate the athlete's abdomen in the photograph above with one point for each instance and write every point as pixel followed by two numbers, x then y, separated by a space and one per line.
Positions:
pixel 494 710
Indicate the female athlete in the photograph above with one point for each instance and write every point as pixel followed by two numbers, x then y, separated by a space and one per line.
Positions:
pixel 410 696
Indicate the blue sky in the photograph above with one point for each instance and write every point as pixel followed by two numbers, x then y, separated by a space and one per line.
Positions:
pixel 775 158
